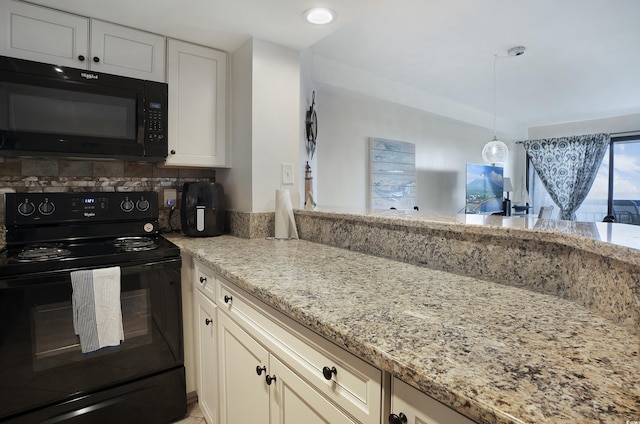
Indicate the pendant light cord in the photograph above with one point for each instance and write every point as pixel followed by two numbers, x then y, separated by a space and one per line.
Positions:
pixel 495 59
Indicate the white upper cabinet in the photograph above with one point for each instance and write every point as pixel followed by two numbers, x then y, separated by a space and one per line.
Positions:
pixel 43 35
pixel 50 36
pixel 126 51
pixel 197 78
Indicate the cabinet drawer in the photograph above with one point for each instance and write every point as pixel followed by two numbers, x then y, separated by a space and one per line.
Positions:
pixel 205 280
pixel 355 385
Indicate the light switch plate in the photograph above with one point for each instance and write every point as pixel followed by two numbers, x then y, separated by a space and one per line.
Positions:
pixel 287 173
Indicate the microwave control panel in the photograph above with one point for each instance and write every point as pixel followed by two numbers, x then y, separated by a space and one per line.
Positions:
pixel 155 122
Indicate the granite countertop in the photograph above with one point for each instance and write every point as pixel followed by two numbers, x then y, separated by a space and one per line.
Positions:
pixel 620 241
pixel 496 353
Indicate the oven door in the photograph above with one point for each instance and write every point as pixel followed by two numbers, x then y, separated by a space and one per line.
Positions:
pixel 41 364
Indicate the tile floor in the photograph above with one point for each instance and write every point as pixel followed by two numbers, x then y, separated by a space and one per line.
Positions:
pixel 194 415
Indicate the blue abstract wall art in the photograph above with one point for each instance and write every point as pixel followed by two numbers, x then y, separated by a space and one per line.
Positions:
pixel 392 166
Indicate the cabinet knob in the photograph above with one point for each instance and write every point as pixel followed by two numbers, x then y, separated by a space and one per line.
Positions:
pixel 81 58
pixel 208 321
pixel 329 372
pixel 260 370
pixel 96 59
pixel 397 419
pixel 270 379
pixel 203 280
pixel 228 299
pixel 173 152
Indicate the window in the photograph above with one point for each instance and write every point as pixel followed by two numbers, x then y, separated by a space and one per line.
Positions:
pixel 615 191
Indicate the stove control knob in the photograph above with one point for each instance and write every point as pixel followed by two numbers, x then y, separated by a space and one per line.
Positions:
pixel 26 208
pixel 46 207
pixel 127 205
pixel 142 205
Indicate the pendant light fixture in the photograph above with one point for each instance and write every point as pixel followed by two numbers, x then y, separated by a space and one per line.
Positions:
pixel 496 151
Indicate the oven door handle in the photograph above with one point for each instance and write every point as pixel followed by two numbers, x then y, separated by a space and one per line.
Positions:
pixel 64 276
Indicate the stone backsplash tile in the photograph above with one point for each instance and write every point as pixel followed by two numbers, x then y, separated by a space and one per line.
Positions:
pixel 39 167
pixel 74 168
pixel 108 169
pixel 138 169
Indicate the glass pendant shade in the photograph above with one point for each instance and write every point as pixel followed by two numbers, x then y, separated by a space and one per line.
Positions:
pixel 495 151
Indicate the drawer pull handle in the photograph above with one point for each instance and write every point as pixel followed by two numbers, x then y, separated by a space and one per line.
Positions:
pixel 397 419
pixel 270 379
pixel 329 372
pixel 96 59
pixel 81 58
pixel 207 321
pixel 260 369
pixel 228 299
pixel 203 280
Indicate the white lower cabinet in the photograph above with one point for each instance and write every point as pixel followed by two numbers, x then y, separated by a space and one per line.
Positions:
pixel 409 405
pixel 244 393
pixel 257 387
pixel 294 400
pixel 206 355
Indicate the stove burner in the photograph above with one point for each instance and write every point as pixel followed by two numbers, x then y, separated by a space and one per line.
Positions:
pixel 135 244
pixel 41 253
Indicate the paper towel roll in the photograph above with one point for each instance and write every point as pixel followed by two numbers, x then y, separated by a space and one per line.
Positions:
pixel 285 222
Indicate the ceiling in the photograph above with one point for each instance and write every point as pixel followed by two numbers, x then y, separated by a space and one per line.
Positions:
pixel 582 59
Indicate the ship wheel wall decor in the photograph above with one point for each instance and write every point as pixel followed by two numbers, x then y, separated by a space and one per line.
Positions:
pixel 311 124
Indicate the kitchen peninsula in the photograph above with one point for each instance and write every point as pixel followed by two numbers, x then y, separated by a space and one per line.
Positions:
pixel 516 351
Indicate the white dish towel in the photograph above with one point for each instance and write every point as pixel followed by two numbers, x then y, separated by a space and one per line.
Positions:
pixel 97 313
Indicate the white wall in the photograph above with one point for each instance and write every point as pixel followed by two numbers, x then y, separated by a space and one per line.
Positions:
pixel 265 124
pixel 443 147
pixel 237 181
pixel 276 121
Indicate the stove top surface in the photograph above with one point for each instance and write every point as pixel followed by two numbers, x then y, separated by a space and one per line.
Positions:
pixel 29 259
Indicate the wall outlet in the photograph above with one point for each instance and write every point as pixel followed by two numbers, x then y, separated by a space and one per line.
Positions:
pixel 170 196
pixel 287 173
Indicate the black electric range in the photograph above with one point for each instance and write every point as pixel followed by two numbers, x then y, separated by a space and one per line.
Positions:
pixel 45 375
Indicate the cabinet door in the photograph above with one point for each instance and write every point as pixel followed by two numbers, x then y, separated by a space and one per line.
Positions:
pixel 205 327
pixel 419 408
pixel 294 401
pixel 120 50
pixel 244 394
pixel 43 35
pixel 197 78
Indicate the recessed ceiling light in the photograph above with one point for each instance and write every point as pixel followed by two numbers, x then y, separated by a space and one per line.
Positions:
pixel 320 15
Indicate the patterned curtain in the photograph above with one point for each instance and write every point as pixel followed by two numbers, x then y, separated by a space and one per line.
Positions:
pixel 567 167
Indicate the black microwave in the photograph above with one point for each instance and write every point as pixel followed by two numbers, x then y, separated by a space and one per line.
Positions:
pixel 50 110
